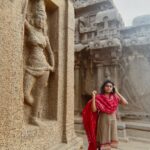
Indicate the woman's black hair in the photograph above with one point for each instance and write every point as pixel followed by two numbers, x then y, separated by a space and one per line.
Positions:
pixel 102 89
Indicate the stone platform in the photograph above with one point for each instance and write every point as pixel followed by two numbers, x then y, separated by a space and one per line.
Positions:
pixel 75 144
pixel 44 138
pixel 136 131
pixel 130 145
pixel 121 129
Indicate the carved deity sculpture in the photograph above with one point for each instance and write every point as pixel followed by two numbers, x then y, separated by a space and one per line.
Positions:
pixel 107 74
pixel 37 69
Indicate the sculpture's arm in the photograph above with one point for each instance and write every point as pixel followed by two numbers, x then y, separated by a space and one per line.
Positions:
pixel 28 27
pixel 52 58
pixel 24 7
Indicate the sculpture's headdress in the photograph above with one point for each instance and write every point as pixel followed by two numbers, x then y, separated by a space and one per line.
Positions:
pixel 40 9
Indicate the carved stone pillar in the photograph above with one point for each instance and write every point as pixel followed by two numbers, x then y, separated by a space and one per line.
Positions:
pixel 100 75
pixel 107 73
pixel 115 73
pixel 93 35
pixel 85 37
pixel 77 98
pixel 68 114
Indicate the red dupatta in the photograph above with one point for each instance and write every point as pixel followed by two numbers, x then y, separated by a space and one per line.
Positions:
pixel 103 104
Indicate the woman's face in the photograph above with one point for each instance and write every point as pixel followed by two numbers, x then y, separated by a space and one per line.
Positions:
pixel 108 88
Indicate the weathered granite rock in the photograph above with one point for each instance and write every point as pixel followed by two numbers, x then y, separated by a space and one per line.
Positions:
pixel 56 109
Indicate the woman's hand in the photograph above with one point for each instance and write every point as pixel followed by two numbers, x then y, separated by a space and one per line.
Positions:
pixel 94 93
pixel 116 90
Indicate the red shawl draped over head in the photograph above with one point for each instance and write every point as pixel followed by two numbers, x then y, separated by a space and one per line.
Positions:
pixel 103 104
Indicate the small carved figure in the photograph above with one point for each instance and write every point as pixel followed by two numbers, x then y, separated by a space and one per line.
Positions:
pixel 107 73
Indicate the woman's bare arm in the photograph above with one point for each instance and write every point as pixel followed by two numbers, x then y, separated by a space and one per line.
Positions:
pixel 122 99
pixel 94 109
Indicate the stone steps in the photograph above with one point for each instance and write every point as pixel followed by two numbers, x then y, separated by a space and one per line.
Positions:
pixel 137 131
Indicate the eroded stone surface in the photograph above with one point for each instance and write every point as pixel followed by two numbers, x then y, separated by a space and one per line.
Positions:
pixel 56 123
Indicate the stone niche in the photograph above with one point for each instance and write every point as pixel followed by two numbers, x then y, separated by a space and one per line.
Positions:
pixel 48 109
pixel 55 128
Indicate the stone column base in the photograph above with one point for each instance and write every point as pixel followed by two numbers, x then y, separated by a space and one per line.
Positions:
pixel 122 132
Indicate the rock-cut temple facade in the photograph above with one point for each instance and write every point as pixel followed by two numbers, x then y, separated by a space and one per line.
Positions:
pixel 106 49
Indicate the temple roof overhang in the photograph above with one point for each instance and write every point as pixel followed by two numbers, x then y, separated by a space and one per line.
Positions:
pixel 84 4
pixel 99 44
pixel 111 14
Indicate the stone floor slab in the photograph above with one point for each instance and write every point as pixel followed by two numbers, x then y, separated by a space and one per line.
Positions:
pixel 130 145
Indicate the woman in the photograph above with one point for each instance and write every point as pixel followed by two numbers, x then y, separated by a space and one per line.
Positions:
pixel 99 117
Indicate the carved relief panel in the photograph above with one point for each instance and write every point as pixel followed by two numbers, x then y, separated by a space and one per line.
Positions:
pixel 40 61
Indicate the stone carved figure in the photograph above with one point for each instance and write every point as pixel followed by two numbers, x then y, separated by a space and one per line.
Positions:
pixel 37 69
pixel 107 73
pixel 82 24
